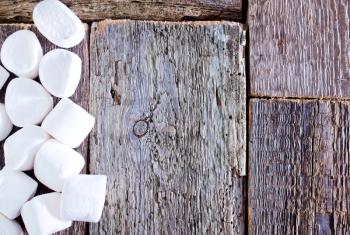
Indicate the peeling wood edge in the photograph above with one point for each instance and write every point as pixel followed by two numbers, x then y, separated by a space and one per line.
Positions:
pixel 242 73
pixel 24 25
pixel 100 25
pixel 292 100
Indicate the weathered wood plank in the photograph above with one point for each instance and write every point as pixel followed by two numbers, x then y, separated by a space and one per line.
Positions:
pixel 300 48
pixel 81 97
pixel 92 10
pixel 169 100
pixel 299 167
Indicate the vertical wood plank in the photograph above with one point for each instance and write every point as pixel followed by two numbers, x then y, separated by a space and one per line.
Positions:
pixel 169 99
pixel 298 167
pixel 81 97
pixel 299 48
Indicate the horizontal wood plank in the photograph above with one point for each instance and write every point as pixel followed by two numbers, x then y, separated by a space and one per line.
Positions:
pixel 299 48
pixel 81 97
pixel 169 101
pixel 299 167
pixel 93 10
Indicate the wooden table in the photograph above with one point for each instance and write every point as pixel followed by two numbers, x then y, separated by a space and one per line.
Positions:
pixel 197 140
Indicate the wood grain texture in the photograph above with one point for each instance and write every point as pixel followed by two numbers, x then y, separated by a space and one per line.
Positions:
pixel 93 10
pixel 81 97
pixel 300 48
pixel 299 167
pixel 169 102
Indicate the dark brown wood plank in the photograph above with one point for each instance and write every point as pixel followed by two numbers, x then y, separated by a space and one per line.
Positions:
pixel 299 167
pixel 81 97
pixel 93 10
pixel 299 48
pixel 169 101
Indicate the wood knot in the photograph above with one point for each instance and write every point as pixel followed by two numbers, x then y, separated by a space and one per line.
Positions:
pixel 116 98
pixel 140 128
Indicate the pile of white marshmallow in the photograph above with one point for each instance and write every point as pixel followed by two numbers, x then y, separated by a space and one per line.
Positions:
pixel 49 134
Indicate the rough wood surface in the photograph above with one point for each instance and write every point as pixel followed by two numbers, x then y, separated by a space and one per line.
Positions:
pixel 169 103
pixel 300 48
pixel 80 97
pixel 299 167
pixel 92 10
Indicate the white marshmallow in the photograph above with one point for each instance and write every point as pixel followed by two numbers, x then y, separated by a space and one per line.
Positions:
pixel 68 123
pixel 83 198
pixel 21 53
pixel 41 215
pixel 4 75
pixel 15 189
pixel 58 23
pixel 27 102
pixel 55 162
pixel 9 227
pixel 21 147
pixel 5 123
pixel 60 71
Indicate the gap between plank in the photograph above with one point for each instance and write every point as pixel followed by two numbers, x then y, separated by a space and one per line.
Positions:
pixel 245 12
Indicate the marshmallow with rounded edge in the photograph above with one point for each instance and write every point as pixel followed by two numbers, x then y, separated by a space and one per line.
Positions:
pixel 55 162
pixel 83 198
pixel 4 75
pixel 15 189
pixel 21 53
pixel 5 123
pixel 27 102
pixel 60 72
pixel 68 123
pixel 9 227
pixel 41 215
pixel 58 23
pixel 21 147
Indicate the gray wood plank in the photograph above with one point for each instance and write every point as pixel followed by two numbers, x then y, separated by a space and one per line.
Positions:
pixel 299 48
pixel 169 100
pixel 299 167
pixel 81 97
pixel 92 10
